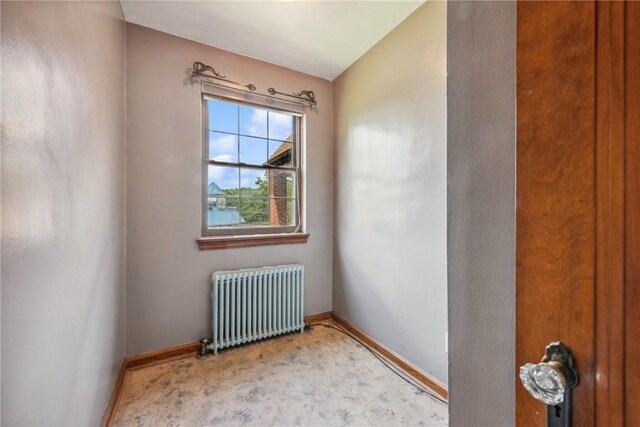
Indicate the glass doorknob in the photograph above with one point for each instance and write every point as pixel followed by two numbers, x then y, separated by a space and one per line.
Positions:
pixel 544 381
pixel 549 380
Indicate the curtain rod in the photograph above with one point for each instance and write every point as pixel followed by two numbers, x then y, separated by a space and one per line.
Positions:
pixel 304 97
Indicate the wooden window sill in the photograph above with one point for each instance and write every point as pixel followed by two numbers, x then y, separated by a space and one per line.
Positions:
pixel 229 242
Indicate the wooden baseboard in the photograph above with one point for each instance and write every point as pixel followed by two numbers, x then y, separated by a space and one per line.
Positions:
pixel 320 317
pixel 393 357
pixel 116 393
pixel 163 355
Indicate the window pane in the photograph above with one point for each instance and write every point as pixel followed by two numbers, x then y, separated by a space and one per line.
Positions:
pixel 282 184
pixel 292 208
pixel 254 183
pixel 223 147
pixel 253 121
pixel 282 212
pixel 223 116
pixel 253 150
pixel 254 211
pixel 280 126
pixel 223 212
pixel 222 199
pixel 225 180
pixel 280 153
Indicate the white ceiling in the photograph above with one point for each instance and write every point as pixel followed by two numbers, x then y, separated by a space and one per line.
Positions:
pixel 321 38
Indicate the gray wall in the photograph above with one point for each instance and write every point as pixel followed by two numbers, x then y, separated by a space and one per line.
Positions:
pixel 63 140
pixel 390 253
pixel 481 212
pixel 168 278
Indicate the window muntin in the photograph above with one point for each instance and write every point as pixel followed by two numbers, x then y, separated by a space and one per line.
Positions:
pixel 251 169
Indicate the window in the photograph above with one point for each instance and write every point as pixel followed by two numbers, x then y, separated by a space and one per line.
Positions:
pixel 251 169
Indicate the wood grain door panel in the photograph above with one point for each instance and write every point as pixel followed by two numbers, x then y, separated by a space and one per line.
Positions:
pixel 578 202
pixel 632 216
pixel 555 197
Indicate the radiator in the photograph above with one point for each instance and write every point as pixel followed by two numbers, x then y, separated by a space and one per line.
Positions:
pixel 254 304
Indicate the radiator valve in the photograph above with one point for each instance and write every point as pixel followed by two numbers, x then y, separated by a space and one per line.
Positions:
pixel 204 348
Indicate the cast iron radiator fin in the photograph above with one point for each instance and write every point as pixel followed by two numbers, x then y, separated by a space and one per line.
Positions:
pixel 254 304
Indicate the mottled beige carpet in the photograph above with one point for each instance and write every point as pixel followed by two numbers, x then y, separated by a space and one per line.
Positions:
pixel 318 378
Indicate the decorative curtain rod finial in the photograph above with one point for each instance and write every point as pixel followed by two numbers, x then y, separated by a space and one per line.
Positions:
pixel 306 95
pixel 199 70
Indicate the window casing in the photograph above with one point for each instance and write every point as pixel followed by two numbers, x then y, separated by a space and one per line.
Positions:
pixel 251 168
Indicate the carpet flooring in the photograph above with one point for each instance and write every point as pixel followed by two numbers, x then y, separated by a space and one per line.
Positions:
pixel 317 378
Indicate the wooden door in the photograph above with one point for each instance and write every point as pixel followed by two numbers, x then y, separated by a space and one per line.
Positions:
pixel 577 202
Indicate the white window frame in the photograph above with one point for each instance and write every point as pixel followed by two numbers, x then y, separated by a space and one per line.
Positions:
pixel 297 148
